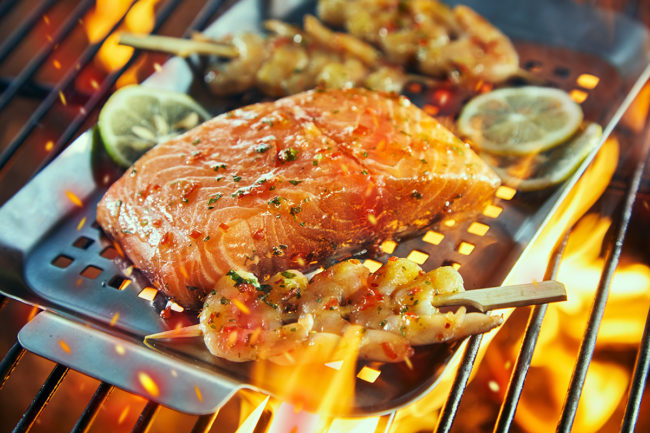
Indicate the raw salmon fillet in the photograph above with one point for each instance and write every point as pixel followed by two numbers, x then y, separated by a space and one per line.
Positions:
pixel 286 185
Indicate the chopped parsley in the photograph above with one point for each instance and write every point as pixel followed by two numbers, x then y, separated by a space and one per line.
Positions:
pixel 238 279
pixel 275 201
pixel 261 148
pixel 214 198
pixel 288 154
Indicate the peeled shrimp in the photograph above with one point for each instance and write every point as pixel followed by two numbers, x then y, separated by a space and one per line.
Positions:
pixel 239 74
pixel 481 50
pixel 328 301
pixel 243 321
pixel 399 299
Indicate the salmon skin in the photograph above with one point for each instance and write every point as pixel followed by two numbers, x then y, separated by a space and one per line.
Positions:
pixel 287 185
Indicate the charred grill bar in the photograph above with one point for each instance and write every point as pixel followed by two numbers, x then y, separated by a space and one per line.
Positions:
pixel 25 84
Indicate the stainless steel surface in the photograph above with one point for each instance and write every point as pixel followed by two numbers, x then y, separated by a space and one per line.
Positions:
pixel 559 41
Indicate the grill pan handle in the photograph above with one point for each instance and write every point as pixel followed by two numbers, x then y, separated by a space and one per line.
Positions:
pixel 126 364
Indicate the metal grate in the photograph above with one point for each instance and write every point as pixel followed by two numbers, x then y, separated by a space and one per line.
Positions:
pixel 24 84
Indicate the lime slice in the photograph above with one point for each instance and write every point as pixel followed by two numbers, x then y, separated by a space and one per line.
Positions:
pixel 520 120
pixel 543 170
pixel 136 118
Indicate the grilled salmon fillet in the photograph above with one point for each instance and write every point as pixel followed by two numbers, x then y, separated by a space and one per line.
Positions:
pixel 287 184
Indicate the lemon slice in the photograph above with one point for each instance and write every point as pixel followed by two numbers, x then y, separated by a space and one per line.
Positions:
pixel 520 120
pixel 136 118
pixel 543 170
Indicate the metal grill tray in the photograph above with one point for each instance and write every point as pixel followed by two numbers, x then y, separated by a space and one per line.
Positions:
pixel 53 255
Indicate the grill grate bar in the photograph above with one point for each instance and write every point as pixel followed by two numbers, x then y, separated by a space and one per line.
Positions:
pixel 10 361
pixel 30 89
pixel 98 96
pixel 637 386
pixel 88 416
pixel 6 6
pixel 204 423
pixel 516 383
pixel 17 36
pixel 42 398
pixel 612 258
pixel 145 419
pixel 203 18
pixel 16 84
pixel 86 57
pixel 449 410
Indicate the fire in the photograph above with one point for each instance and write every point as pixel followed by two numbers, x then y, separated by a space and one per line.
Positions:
pixel 313 371
pixel 320 383
pixel 139 19
pixel 564 327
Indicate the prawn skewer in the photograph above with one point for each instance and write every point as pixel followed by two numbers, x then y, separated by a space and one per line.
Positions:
pixel 383 39
pixel 397 306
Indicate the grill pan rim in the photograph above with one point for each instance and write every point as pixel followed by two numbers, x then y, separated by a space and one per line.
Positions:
pixel 12 255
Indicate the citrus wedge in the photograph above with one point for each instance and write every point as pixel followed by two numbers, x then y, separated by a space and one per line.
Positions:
pixel 543 170
pixel 136 118
pixel 520 120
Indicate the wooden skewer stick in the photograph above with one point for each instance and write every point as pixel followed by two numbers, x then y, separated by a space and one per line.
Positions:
pixel 507 296
pixel 178 46
pixel 482 299
pixel 186 332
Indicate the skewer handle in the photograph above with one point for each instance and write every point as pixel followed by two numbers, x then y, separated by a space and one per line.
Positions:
pixel 507 296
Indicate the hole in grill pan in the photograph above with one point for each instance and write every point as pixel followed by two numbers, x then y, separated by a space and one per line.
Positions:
pixel 82 242
pixel 118 282
pixel 109 253
pixel 561 71
pixel 533 65
pixel 62 261
pixel 91 272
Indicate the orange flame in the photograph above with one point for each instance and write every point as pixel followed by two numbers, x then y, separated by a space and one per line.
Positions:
pixel 564 327
pixel 140 19
pixel 311 369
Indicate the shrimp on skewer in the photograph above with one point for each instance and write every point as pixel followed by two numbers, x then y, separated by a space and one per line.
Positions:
pixel 243 321
pixel 399 299
pixel 440 41
pixel 239 73
pixel 328 301
pixel 481 50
